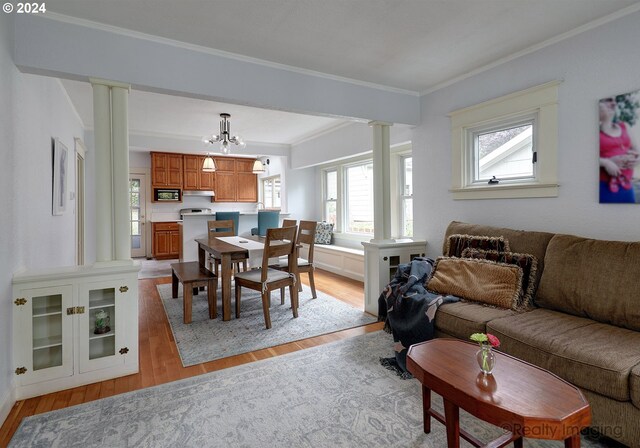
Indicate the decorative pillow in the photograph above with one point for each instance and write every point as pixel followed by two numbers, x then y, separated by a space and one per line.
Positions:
pixel 457 243
pixel 497 284
pixel 324 232
pixel 527 262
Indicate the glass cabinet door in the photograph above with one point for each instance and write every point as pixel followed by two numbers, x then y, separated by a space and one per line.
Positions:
pixel 45 331
pixel 100 327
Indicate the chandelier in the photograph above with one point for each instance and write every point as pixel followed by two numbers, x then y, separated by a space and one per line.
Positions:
pixel 224 137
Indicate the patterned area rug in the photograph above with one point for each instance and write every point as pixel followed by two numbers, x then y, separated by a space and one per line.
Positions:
pixel 205 339
pixel 335 395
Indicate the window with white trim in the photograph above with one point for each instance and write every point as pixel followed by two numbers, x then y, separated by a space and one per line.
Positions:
pixel 507 147
pixel 271 192
pixel 359 198
pixel 330 196
pixel 406 196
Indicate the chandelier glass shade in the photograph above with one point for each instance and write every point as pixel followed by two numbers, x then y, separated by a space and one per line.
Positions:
pixel 224 137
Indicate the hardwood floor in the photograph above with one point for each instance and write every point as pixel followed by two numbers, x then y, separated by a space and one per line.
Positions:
pixel 159 359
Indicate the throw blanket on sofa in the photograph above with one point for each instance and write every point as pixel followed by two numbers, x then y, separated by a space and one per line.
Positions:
pixel 409 310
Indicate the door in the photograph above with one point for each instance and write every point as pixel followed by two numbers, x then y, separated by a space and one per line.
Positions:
pixel 137 201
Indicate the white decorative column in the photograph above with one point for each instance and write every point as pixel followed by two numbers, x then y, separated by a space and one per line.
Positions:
pixel 382 254
pixel 110 112
pixel 381 181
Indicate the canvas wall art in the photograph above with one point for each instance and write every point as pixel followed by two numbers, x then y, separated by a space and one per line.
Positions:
pixel 619 151
pixel 60 157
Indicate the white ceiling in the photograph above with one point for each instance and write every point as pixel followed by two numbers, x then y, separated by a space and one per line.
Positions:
pixel 157 114
pixel 406 44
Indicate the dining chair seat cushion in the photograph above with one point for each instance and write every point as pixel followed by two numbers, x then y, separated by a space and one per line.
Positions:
pixel 283 262
pixel 255 275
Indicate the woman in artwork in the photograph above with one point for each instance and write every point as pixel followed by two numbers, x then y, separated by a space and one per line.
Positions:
pixel 618 156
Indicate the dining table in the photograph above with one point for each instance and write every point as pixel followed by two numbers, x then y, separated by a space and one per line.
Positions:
pixel 228 253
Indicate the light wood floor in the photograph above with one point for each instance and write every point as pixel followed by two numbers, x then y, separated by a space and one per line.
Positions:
pixel 159 359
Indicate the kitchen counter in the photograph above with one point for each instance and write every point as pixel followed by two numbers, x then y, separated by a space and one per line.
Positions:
pixel 165 220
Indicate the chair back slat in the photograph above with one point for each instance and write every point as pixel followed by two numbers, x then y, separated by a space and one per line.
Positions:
pixel 307 235
pixel 227 226
pixel 279 242
pixel 289 222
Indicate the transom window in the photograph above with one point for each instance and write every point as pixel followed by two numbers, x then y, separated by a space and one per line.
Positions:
pixel 503 153
pixel 507 147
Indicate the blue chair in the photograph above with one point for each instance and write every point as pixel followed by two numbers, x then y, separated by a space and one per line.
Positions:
pixel 267 219
pixel 233 216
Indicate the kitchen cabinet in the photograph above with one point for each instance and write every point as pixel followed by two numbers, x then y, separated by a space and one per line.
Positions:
pixel 166 240
pixel 166 170
pixel 193 177
pixel 235 181
pixel 56 345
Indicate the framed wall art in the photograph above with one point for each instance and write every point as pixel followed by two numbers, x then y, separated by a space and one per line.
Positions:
pixel 60 158
pixel 619 176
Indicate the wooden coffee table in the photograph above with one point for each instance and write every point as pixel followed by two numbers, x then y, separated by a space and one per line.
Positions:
pixel 524 399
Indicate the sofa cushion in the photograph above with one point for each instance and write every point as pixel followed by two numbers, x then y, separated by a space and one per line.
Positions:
pixel 591 355
pixel 635 385
pixel 462 319
pixel 521 241
pixel 592 278
pixel 456 244
pixel 527 262
pixel 498 284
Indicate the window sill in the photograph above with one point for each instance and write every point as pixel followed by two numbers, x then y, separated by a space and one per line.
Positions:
pixel 506 191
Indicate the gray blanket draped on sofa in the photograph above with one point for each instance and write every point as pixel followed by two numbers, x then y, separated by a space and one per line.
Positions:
pixel 409 309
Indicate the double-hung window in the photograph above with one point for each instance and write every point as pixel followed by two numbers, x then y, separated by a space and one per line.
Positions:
pixel 507 147
pixel 406 196
pixel 330 196
pixel 271 192
pixel 359 198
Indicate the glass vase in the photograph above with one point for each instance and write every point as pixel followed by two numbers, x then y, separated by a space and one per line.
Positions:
pixel 486 359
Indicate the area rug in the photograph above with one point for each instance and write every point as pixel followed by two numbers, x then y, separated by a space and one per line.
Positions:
pixel 207 339
pixel 334 395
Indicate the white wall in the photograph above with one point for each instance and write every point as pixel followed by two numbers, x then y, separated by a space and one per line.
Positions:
pixel 8 204
pixel 42 111
pixel 598 63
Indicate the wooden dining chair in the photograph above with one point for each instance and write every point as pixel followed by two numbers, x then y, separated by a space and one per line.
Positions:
pixel 279 242
pixel 306 236
pixel 289 223
pixel 223 228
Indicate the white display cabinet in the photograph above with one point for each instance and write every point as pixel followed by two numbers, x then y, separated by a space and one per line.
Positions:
pixel 57 344
pixel 381 260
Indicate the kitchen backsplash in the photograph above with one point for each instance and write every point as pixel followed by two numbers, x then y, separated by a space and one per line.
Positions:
pixel 171 211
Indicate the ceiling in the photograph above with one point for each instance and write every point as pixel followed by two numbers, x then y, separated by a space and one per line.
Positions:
pixel 412 45
pixel 157 114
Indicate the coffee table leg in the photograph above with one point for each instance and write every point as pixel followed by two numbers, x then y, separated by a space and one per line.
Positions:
pixel 426 407
pixel 174 285
pixel 452 419
pixel 572 442
pixel 187 293
pixel 518 443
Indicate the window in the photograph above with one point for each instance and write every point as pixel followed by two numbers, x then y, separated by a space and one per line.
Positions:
pixel 271 192
pixel 506 147
pixel 406 197
pixel 359 198
pixel 330 196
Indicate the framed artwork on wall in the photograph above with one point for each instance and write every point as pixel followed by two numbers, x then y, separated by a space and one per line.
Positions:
pixel 619 176
pixel 60 157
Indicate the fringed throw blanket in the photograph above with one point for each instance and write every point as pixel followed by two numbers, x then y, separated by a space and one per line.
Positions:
pixel 408 310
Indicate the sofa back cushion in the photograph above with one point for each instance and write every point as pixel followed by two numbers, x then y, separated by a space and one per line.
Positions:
pixel 592 278
pixel 521 241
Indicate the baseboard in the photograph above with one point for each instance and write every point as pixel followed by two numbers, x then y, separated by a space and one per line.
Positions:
pixel 6 403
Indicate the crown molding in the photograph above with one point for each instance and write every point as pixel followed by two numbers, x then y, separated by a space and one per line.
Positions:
pixel 221 53
pixel 315 135
pixel 554 40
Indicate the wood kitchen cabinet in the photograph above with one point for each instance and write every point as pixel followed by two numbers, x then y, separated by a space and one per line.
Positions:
pixel 194 178
pixel 166 170
pixel 235 181
pixel 166 240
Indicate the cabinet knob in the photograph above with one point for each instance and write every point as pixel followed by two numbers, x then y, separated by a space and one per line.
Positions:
pixel 124 289
pixel 124 351
pixel 20 301
pixel 21 370
pixel 385 258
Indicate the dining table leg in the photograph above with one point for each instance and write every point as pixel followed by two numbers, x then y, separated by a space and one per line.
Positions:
pixel 225 261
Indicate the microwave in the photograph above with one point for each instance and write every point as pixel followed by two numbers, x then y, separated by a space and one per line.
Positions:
pixel 167 195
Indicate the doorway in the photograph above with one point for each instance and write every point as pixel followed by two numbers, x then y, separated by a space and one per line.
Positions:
pixel 137 201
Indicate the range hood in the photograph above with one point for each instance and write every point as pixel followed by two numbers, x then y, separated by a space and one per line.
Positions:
pixel 198 193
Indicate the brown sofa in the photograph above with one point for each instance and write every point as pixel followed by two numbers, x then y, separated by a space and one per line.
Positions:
pixel 584 327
